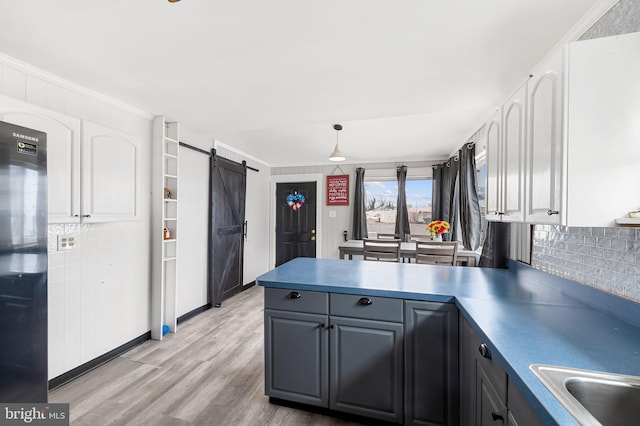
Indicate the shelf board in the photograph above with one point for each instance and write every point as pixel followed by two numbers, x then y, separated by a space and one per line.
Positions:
pixel 170 156
pixel 168 139
pixel 628 221
pixel 170 218
pixel 171 200
pixel 171 176
pixel 170 240
pixel 167 259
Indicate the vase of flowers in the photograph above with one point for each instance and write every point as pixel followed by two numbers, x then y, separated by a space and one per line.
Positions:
pixel 438 227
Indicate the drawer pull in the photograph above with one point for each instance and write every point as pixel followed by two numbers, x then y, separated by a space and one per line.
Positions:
pixel 484 351
pixel 496 416
pixel 552 212
pixel 293 295
pixel 365 301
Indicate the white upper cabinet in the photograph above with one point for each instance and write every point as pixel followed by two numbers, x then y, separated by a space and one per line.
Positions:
pixel 494 167
pixel 63 155
pixel 603 135
pixel 93 174
pixel 544 142
pixel 110 174
pixel 513 147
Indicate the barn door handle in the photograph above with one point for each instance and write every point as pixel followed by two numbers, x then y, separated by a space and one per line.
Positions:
pixel 293 295
pixel 245 227
pixel 365 301
pixel 496 417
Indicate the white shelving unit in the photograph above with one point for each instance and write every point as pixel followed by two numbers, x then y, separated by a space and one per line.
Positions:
pixel 165 226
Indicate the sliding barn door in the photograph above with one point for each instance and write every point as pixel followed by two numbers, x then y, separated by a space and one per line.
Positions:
pixel 228 192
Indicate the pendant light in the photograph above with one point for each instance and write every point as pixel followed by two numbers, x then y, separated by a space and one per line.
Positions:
pixel 337 155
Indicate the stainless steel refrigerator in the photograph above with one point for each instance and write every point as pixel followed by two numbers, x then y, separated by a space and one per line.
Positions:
pixel 23 264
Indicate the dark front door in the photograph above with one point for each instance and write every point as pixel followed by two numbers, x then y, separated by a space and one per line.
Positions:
pixel 295 221
pixel 228 191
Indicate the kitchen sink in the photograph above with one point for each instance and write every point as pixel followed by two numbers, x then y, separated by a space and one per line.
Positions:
pixel 593 397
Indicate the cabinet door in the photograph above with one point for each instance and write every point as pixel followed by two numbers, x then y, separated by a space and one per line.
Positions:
pixel 544 143
pixel 296 357
pixel 63 155
pixel 111 174
pixel 431 363
pixel 468 351
pixel 366 368
pixel 490 409
pixel 494 167
pixel 513 148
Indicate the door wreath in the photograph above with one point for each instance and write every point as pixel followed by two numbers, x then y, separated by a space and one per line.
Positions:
pixel 295 200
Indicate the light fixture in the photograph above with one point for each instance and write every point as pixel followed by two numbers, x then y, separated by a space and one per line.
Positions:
pixel 173 1
pixel 337 155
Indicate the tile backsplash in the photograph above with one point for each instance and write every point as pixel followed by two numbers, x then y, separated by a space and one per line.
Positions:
pixel 605 258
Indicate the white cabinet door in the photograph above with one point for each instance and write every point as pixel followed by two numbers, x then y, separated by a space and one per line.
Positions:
pixel 111 174
pixel 513 148
pixel 545 143
pixel 603 135
pixel 494 167
pixel 63 155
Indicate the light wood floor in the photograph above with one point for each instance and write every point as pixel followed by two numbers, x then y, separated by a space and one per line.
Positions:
pixel 209 373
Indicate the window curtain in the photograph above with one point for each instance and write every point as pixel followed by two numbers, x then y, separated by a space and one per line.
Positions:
pixel 444 190
pixel 402 215
pixel 455 197
pixel 359 212
pixel 470 218
pixel 453 216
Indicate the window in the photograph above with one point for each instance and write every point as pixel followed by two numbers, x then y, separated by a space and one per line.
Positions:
pixel 380 205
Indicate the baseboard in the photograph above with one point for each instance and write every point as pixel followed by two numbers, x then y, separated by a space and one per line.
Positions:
pixel 193 313
pixel 64 378
pixel 248 286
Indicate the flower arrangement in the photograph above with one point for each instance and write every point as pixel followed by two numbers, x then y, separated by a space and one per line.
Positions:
pixel 438 227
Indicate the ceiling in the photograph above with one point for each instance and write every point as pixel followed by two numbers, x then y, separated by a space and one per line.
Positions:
pixel 408 80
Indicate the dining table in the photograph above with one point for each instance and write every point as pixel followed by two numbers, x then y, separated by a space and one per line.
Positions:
pixel 407 251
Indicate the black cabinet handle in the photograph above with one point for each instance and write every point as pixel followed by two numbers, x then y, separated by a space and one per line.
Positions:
pixel 552 212
pixel 321 325
pixel 293 295
pixel 496 416
pixel 86 215
pixel 331 326
pixel 365 301
pixel 484 351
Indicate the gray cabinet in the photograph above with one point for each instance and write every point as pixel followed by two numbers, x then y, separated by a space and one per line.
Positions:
pixel 366 368
pixel 487 394
pixel 296 357
pixel 348 358
pixel 296 346
pixel 431 363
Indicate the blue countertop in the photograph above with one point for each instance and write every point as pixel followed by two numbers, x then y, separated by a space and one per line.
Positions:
pixel 526 316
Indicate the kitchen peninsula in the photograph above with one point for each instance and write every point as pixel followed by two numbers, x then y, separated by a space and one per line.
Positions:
pixel 331 313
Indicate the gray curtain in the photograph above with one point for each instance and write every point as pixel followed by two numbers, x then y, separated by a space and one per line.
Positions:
pixel 441 192
pixel 402 215
pixel 453 214
pixel 470 218
pixel 359 212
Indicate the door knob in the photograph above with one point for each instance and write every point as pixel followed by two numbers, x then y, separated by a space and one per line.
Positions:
pixel 313 231
pixel 313 238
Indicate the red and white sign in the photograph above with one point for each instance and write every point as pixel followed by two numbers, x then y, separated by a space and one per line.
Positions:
pixel 338 190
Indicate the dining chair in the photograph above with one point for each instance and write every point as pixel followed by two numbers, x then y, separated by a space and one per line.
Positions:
pixel 385 249
pixel 387 236
pixel 436 252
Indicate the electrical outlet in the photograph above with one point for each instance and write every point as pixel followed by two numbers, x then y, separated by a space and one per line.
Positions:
pixel 66 242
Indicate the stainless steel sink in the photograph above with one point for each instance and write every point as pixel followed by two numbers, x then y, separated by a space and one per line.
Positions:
pixel 593 397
